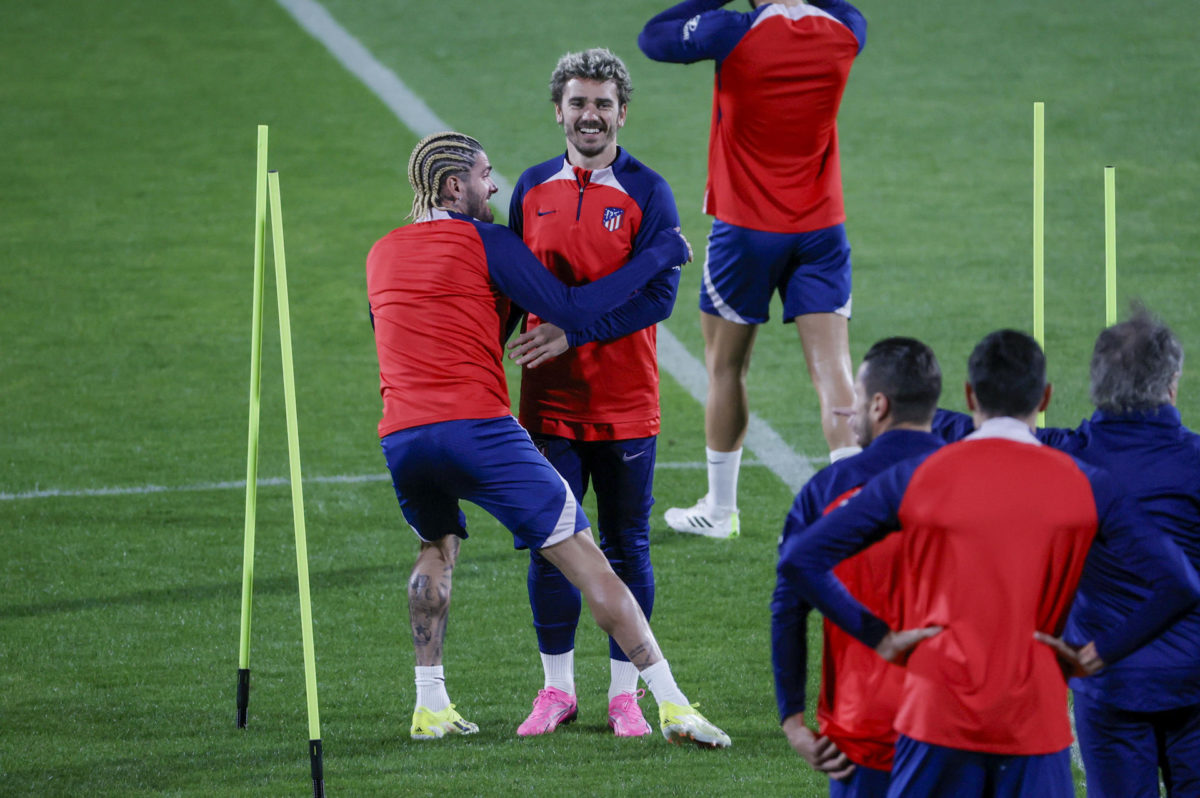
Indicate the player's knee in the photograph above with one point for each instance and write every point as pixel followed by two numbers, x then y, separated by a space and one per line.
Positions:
pixel 631 559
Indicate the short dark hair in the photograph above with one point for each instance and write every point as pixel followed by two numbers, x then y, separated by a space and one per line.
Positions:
pixel 1134 364
pixel 598 64
pixel 907 373
pixel 1007 371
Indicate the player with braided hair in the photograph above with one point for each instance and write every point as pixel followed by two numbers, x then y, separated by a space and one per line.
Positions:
pixel 440 291
pixel 434 159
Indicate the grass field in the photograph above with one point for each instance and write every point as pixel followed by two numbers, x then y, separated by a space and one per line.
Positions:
pixel 125 248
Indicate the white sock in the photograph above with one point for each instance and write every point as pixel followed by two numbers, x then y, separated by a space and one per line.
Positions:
pixel 431 688
pixel 723 478
pixel 842 452
pixel 623 677
pixel 560 671
pixel 662 684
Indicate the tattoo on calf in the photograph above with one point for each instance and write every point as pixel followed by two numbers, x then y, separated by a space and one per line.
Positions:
pixel 639 655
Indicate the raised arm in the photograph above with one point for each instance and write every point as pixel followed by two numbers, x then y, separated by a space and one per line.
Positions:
pixel 694 30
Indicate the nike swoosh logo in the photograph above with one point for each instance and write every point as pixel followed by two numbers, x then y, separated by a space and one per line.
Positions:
pixel 626 456
pixel 547 213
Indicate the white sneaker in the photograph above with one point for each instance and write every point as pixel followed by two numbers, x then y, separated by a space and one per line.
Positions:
pixel 700 519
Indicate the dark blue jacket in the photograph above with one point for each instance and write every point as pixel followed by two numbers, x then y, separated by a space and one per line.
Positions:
pixel 1157 461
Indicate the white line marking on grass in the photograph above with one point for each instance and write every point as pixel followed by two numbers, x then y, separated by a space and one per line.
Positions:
pixel 383 82
pixel 784 462
pixel 794 469
pixel 266 482
pixel 139 490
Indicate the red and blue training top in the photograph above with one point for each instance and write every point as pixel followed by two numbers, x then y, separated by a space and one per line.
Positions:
pixel 780 73
pixel 583 225
pixel 439 291
pixel 1156 460
pixel 995 534
pixel 860 691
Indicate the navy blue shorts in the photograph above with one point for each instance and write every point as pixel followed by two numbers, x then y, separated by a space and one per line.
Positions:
pixel 924 770
pixel 620 472
pixel 862 783
pixel 1124 750
pixel 744 267
pixel 488 462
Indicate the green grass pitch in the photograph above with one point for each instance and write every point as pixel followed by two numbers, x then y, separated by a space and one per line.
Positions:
pixel 125 248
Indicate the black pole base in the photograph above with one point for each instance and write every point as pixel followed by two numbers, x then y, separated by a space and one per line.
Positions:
pixel 318 768
pixel 243 697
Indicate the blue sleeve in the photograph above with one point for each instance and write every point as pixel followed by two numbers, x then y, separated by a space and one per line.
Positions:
pixel 789 616
pixel 654 302
pixel 522 277
pixel 649 306
pixel 951 426
pixel 694 30
pixel 807 561
pixel 1149 555
pixel 846 14
pixel 516 223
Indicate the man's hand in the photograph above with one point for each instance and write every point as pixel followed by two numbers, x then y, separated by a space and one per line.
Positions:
pixel 534 347
pixel 895 645
pixel 1081 661
pixel 819 752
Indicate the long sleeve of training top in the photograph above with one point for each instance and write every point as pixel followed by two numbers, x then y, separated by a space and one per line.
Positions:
pixel 655 301
pixel 698 30
pixel 634 197
pixel 521 277
pixel 583 224
pixel 781 71
pixel 652 304
pixel 1128 536
pixel 875 512
pixel 1156 459
pixel 806 561
pixel 859 691
pixel 789 614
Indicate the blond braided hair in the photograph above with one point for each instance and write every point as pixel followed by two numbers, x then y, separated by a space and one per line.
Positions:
pixel 435 158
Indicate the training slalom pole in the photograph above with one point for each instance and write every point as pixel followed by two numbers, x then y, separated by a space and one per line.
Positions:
pixel 260 217
pixel 1039 197
pixel 293 433
pixel 1110 246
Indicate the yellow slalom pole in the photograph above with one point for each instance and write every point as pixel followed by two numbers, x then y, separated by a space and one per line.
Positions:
pixel 260 217
pixel 293 433
pixel 1039 197
pixel 1110 246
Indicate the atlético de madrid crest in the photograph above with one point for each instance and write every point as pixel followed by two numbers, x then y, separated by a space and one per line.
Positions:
pixel 613 218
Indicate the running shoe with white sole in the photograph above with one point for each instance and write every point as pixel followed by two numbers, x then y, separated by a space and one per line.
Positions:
pixel 683 724
pixel 701 519
pixel 552 708
pixel 625 716
pixel 430 725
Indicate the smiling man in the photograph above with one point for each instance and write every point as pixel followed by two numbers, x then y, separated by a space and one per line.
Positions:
pixel 590 398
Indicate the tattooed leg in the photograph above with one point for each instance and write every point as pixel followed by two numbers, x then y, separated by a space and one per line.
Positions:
pixel 429 598
pixel 611 604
